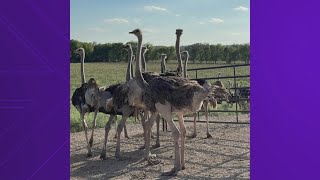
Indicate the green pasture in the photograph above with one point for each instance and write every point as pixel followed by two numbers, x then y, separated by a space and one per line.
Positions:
pixel 110 73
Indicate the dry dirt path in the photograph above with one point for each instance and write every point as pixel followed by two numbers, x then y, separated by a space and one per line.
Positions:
pixel 225 156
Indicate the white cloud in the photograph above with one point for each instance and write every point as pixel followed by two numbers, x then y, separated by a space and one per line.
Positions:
pixel 116 21
pixel 178 15
pixel 154 8
pixel 241 8
pixel 202 23
pixel 96 29
pixel 235 34
pixel 216 21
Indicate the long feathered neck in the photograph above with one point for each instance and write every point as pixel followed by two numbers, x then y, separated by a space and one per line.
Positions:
pixel 163 64
pixel 141 82
pixel 83 77
pixel 129 75
pixel 185 65
pixel 144 66
pixel 132 60
pixel 179 69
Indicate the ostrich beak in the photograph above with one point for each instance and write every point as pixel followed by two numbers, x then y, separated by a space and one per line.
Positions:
pixel 131 32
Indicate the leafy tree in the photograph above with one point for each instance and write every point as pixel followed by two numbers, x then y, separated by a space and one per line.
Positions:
pixel 199 52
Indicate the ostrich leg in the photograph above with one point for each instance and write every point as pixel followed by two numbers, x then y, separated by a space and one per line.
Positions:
pixel 107 130
pixel 93 127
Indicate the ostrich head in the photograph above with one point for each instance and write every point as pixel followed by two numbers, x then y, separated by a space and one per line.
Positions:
pixel 79 51
pixel 186 53
pixel 127 46
pixel 163 56
pixel 179 32
pixel 136 32
pixel 219 83
pixel 144 49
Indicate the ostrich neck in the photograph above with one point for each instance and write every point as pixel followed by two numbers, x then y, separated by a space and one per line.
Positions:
pixel 83 77
pixel 141 82
pixel 178 55
pixel 129 75
pixel 131 71
pixel 144 62
pixel 163 65
pixel 185 66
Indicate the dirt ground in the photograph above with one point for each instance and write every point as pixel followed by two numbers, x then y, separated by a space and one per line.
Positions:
pixel 225 156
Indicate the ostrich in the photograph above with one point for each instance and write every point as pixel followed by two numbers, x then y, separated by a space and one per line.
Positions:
pixel 129 49
pixel 230 85
pixel 79 101
pixel 165 95
pixel 163 63
pixel 242 93
pixel 185 63
pixel 120 104
pixel 209 99
pixel 84 101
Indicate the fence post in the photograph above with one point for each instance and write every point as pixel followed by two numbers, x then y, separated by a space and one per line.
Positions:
pixel 196 74
pixel 235 90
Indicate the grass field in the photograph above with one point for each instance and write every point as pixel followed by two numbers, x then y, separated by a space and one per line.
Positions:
pixel 110 73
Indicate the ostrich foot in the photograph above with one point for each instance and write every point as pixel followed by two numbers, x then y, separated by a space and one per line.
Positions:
pixel 173 172
pixel 127 136
pixel 193 135
pixel 117 155
pixel 89 154
pixel 209 135
pixel 142 147
pixel 103 156
pixel 157 145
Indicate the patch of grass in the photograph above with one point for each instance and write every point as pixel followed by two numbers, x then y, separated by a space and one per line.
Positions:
pixel 111 73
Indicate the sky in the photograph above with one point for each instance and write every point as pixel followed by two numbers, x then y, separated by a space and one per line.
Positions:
pixel 202 21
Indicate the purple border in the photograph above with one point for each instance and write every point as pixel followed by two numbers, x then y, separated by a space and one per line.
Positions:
pixel 34 98
pixel 285 123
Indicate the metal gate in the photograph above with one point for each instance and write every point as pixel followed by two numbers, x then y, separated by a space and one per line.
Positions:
pixel 233 76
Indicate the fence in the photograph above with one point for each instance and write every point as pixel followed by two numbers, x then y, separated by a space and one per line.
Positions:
pixel 237 100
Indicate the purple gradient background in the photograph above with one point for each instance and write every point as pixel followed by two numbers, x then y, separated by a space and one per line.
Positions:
pixel 285 77
pixel 35 102
pixel 34 98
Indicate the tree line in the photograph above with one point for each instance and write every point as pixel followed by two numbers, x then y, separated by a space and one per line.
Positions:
pixel 199 52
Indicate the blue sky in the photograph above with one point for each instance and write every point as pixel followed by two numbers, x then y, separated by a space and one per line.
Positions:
pixel 203 21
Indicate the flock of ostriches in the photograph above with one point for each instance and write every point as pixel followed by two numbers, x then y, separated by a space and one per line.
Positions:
pixel 150 95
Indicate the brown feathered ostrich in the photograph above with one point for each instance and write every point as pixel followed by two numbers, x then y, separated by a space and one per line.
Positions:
pixel 208 100
pixel 165 95
pixel 120 104
pixel 90 98
pixel 148 76
pixel 79 101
